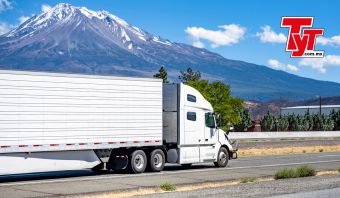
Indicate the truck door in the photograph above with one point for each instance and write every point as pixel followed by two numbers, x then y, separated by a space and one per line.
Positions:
pixel 207 148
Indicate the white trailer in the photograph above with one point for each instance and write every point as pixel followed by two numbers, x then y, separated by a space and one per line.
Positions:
pixel 54 122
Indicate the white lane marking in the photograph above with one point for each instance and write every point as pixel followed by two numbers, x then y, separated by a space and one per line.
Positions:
pixel 152 174
pixel 329 156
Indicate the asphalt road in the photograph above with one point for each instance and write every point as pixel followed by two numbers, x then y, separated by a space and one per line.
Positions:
pixel 78 182
pixel 308 187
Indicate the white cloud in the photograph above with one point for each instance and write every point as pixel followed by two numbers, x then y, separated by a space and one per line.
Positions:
pixel 275 64
pixel 321 64
pixel 229 35
pixel 292 68
pixel 5 5
pixel 198 44
pixel 23 19
pixel 4 28
pixel 334 40
pixel 45 8
pixel 269 36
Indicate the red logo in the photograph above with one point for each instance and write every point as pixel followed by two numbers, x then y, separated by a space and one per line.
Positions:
pixel 301 40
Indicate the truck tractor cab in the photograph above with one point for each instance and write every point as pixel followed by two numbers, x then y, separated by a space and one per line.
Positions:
pixel 191 128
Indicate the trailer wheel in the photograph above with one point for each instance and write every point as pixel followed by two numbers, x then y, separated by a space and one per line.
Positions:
pixel 137 161
pixel 156 160
pixel 222 158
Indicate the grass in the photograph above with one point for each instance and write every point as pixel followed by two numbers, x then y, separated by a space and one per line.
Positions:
pixel 248 180
pixel 167 186
pixel 248 152
pixel 301 171
pixel 339 169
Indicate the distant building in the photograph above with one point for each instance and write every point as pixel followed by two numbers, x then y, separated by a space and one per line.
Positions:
pixel 301 110
pixel 255 126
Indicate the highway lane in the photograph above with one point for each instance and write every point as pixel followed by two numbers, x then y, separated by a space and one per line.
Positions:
pixel 311 187
pixel 85 182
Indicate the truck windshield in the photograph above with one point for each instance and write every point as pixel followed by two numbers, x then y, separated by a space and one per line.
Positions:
pixel 209 120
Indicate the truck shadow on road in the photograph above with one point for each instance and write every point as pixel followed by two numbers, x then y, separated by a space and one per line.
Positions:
pixel 89 173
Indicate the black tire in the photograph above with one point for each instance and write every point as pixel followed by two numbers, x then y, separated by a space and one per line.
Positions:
pixel 222 158
pixel 137 162
pixel 156 160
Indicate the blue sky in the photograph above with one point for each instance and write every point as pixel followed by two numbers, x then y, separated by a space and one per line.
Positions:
pixel 241 30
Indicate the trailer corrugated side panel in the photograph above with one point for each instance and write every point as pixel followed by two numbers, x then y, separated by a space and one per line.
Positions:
pixel 49 111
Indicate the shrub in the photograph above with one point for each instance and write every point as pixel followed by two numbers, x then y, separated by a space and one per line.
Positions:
pixel 302 171
pixel 285 173
pixel 339 169
pixel 305 171
pixel 321 150
pixel 167 186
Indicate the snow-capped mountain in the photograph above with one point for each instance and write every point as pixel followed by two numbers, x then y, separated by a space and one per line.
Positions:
pixel 79 40
pixel 102 23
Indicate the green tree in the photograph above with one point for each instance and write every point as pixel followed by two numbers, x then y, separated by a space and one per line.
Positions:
pixel 323 123
pixel 162 74
pixel 335 116
pixel 309 119
pixel 293 121
pixel 245 121
pixel 317 122
pixel 219 96
pixel 303 123
pixel 190 76
pixel 283 123
pixel 268 122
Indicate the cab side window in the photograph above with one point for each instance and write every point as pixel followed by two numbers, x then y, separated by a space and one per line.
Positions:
pixel 191 98
pixel 191 116
pixel 209 120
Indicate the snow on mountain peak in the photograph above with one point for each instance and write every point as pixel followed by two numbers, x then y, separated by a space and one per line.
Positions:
pixel 63 13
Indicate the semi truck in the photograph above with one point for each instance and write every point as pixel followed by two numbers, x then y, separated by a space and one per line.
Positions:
pixel 56 122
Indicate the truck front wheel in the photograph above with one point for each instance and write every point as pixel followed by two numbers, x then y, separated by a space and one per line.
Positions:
pixel 222 158
pixel 137 161
pixel 156 160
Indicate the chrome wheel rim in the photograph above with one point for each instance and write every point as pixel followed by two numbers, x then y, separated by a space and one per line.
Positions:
pixel 158 160
pixel 223 157
pixel 139 161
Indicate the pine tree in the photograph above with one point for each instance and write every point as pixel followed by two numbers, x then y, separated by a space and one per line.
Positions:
pixel 268 122
pixel 309 119
pixel 190 76
pixel 323 123
pixel 283 123
pixel 245 121
pixel 335 116
pixel 162 74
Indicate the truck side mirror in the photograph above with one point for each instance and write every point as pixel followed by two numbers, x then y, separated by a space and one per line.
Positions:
pixel 218 120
